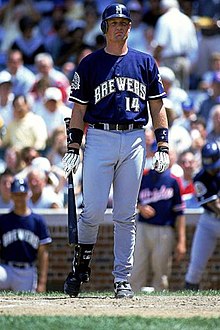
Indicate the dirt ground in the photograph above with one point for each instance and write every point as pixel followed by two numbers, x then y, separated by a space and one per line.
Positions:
pixel 146 306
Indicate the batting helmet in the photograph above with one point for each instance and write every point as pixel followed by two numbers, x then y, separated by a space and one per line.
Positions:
pixel 211 156
pixel 112 11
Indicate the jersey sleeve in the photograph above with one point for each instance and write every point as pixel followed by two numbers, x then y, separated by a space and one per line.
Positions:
pixel 79 91
pixel 44 233
pixel 156 88
pixel 179 205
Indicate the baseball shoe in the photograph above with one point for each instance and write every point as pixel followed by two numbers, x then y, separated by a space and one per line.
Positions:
pixel 73 282
pixel 123 290
pixel 191 286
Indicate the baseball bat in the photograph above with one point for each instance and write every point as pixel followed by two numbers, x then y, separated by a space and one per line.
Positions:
pixel 71 209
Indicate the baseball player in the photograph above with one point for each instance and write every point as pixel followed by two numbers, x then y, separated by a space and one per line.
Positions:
pixel 161 213
pixel 207 186
pixel 24 237
pixel 111 90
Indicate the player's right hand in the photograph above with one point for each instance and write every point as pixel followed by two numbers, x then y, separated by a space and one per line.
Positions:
pixel 71 161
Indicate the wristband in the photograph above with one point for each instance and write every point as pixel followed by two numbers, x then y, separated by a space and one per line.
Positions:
pixel 73 150
pixel 163 149
pixel 75 135
pixel 161 134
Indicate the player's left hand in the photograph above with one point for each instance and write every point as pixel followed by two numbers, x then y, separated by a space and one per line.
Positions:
pixel 161 160
pixel 71 161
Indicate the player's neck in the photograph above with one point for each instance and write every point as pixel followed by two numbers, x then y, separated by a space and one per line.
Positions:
pixel 23 211
pixel 116 49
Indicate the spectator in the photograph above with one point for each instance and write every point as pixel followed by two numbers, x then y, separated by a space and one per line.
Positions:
pixel 214 134
pixel 190 167
pixel 207 78
pixel 55 40
pixel 160 212
pixel 13 161
pixel 45 68
pixel 6 179
pixel 92 26
pixel 6 97
pixel 173 51
pixel 42 196
pixel 207 15
pixel 189 115
pixel 22 78
pixel 53 110
pixel 28 154
pixel 24 238
pixel 10 14
pixel 137 37
pixel 212 99
pixel 180 139
pixel 152 13
pixel 58 146
pixel 30 43
pixel 27 128
pixel 174 93
pixel 207 186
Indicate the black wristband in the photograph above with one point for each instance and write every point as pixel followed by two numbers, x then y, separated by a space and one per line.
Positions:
pixel 163 149
pixel 161 134
pixel 73 150
pixel 75 135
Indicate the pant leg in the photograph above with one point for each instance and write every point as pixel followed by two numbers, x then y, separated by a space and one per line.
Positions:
pixel 203 245
pixel 126 184
pixel 141 257
pixel 5 277
pixel 162 257
pixel 24 279
pixel 100 156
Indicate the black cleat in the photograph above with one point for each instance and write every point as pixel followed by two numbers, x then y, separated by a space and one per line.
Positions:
pixel 72 285
pixel 73 282
pixel 123 290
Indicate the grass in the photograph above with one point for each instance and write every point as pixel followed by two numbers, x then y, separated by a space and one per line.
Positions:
pixel 109 322
pixel 106 323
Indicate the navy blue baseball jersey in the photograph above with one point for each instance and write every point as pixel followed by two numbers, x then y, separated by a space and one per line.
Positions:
pixel 162 192
pixel 116 93
pixel 207 188
pixel 21 236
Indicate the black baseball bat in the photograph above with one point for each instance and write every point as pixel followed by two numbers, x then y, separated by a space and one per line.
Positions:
pixel 71 209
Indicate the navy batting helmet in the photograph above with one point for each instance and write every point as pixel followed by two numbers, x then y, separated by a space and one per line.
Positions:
pixel 112 11
pixel 211 156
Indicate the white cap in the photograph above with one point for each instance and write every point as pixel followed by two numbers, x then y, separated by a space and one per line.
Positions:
pixel 167 74
pixel 41 163
pixel 52 93
pixel 5 77
pixel 166 4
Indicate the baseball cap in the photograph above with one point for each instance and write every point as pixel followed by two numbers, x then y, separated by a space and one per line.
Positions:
pixel 19 186
pixel 211 156
pixel 188 104
pixel 216 77
pixel 134 6
pixel 42 163
pixel 5 77
pixel 167 74
pixel 52 93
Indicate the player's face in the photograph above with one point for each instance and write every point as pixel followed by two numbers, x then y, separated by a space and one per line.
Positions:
pixel 118 29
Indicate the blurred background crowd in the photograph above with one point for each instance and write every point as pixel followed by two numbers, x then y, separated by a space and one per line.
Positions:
pixel 42 42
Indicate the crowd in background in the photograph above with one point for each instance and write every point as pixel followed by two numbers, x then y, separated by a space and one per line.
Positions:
pixel 41 43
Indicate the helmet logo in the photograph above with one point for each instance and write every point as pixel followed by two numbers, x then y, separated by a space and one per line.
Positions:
pixel 119 9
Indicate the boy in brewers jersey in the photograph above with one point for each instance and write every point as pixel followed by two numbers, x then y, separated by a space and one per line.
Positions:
pixel 111 91
pixel 24 237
